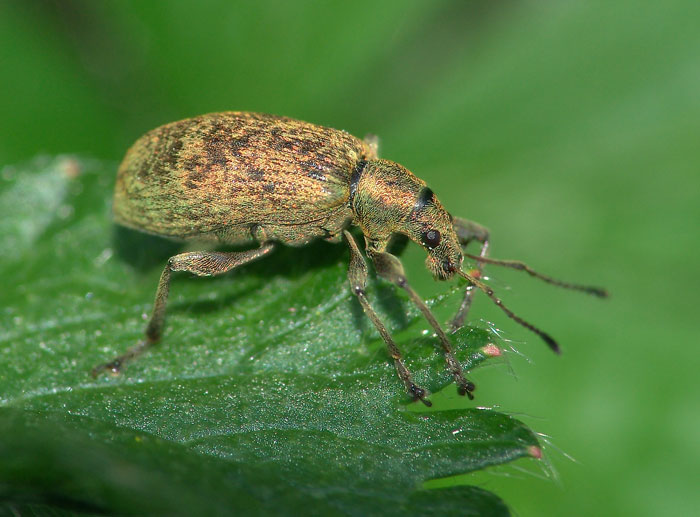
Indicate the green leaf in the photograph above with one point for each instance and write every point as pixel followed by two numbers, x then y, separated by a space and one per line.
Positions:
pixel 271 392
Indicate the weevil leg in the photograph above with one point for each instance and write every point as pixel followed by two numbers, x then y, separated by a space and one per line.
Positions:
pixel 357 275
pixel 199 263
pixel 468 231
pixel 389 267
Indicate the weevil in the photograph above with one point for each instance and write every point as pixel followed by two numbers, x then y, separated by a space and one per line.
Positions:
pixel 243 178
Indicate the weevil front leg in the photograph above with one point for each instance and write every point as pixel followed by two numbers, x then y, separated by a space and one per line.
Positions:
pixel 389 267
pixel 357 275
pixel 199 263
pixel 468 231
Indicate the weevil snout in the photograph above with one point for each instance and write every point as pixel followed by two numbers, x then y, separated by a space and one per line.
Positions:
pixel 445 257
pixel 444 265
pixel 450 267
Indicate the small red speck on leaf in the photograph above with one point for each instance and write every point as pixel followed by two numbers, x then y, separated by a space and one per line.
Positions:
pixel 535 452
pixel 491 350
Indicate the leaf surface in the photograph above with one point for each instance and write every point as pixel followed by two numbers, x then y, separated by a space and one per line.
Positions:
pixel 270 391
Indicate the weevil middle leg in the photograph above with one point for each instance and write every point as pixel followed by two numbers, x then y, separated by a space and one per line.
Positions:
pixel 357 275
pixel 389 267
pixel 201 264
pixel 468 231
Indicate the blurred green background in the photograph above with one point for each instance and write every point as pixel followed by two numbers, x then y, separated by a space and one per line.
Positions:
pixel 570 129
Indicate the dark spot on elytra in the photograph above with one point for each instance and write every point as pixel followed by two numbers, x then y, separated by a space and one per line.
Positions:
pixel 144 169
pixel 309 146
pixel 239 143
pixel 216 153
pixel 215 143
pixel 172 152
pixel 164 153
pixel 255 174
pixel 191 164
pixel 280 144
pixel 317 175
pixel 195 168
pixel 194 178
pixel 224 138
pixel 269 187
pixel 295 140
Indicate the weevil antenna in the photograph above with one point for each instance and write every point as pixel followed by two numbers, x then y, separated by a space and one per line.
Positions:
pixel 495 299
pixel 516 264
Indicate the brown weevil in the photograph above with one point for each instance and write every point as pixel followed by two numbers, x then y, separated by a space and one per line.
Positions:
pixel 248 178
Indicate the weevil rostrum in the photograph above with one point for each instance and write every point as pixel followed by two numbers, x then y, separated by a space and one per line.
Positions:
pixel 242 178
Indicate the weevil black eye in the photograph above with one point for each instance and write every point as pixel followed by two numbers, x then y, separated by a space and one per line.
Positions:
pixel 431 239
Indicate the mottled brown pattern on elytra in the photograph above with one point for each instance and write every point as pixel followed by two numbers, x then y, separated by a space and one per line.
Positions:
pixel 197 176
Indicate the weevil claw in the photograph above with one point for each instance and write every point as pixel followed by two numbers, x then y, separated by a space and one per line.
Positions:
pixel 114 367
pixel 419 394
pixel 466 389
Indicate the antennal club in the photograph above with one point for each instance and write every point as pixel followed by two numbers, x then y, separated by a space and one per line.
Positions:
pixel 516 264
pixel 495 299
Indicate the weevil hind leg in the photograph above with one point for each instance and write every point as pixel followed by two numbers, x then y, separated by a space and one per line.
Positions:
pixel 199 263
pixel 468 231
pixel 357 275
pixel 389 267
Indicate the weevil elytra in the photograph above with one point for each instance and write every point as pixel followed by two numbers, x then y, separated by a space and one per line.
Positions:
pixel 249 178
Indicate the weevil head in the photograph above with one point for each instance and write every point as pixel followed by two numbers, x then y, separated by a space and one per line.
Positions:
pixel 430 225
pixel 386 199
